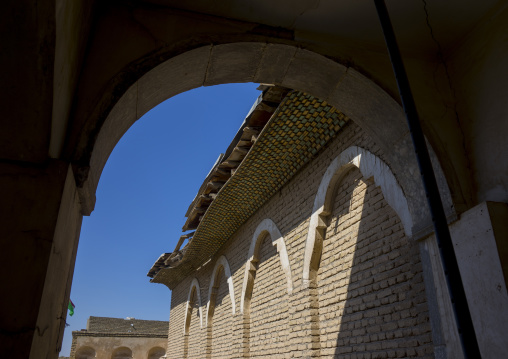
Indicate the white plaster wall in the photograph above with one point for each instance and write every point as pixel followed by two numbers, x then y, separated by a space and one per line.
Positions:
pixel 480 268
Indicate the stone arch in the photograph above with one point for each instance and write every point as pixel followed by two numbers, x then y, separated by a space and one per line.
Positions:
pixel 345 88
pixel 267 226
pixel 370 166
pixel 85 352
pixel 352 93
pixel 193 290
pixel 122 353
pixel 156 353
pixel 221 264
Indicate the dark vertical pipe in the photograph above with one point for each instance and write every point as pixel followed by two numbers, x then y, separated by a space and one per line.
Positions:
pixel 444 241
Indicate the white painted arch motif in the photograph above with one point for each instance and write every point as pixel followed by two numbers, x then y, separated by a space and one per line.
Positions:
pixel 370 166
pixel 267 226
pixel 194 284
pixel 222 262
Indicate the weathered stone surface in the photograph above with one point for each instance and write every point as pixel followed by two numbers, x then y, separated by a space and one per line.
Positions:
pixel 325 74
pixel 234 63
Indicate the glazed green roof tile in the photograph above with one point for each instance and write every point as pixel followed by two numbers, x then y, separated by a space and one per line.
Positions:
pixel 297 131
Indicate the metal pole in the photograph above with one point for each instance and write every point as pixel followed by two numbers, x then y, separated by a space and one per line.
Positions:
pixel 444 241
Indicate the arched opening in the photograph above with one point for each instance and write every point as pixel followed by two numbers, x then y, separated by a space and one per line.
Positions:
pixel 156 353
pixel 344 88
pixel 85 352
pixel 267 259
pixel 147 202
pixel 122 353
pixel 220 309
pixel 81 57
pixel 365 112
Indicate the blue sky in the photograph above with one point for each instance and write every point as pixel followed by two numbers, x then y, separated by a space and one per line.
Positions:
pixel 145 189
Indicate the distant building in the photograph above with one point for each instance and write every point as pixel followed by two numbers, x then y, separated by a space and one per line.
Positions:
pixel 120 338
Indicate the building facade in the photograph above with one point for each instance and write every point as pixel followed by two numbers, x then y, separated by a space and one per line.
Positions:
pixel 320 253
pixel 117 338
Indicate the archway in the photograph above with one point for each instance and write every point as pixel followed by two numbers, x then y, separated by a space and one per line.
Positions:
pixel 356 96
pixel 376 112
pixel 345 88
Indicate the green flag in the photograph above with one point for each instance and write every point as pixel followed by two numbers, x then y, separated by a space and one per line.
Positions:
pixel 71 307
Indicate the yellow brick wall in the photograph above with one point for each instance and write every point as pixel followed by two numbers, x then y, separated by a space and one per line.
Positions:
pixel 369 301
pixel 221 323
pixel 269 306
pixel 369 282
pixel 196 339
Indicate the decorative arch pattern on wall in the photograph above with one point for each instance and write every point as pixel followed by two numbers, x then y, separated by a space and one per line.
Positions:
pixel 267 226
pixel 370 166
pixel 194 286
pixel 222 263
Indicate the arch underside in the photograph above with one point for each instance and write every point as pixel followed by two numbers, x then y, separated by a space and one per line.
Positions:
pixel 343 87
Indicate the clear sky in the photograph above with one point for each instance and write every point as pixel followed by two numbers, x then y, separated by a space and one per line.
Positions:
pixel 145 189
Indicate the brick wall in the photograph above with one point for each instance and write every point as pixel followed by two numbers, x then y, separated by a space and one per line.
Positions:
pixel 368 300
pixel 220 328
pixel 370 282
pixel 269 306
pixel 120 325
pixel 195 339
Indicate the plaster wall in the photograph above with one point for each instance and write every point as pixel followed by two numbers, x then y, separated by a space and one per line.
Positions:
pixel 478 72
pixel 56 292
pixel 480 266
pixel 41 224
